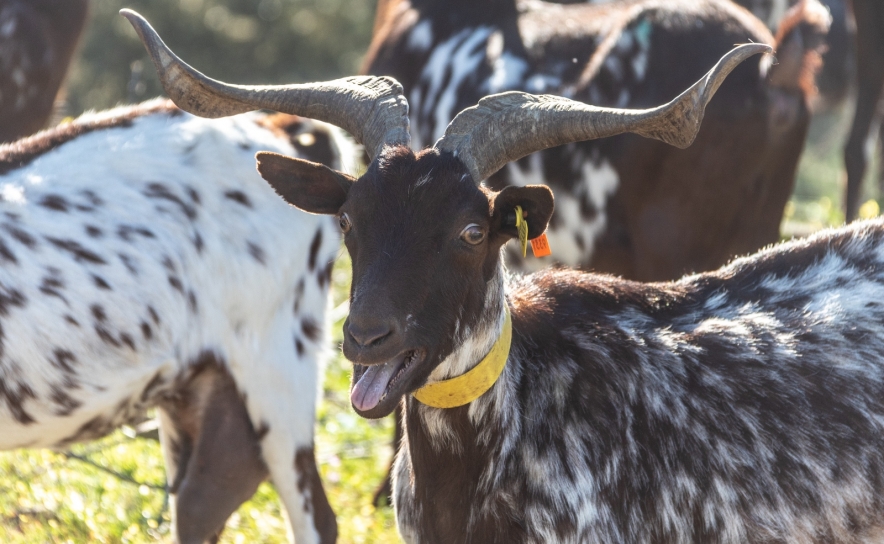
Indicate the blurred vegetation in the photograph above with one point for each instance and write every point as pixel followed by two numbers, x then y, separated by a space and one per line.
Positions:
pixel 241 41
pixel 817 200
pixel 50 497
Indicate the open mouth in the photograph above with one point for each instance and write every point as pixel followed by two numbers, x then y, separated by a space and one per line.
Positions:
pixel 373 383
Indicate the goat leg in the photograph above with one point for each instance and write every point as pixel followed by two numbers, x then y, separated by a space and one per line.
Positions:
pixel 219 464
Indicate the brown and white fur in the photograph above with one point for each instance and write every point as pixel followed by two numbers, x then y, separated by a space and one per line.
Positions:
pixel 144 263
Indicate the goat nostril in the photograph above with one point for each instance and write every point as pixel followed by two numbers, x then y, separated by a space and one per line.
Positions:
pixel 366 336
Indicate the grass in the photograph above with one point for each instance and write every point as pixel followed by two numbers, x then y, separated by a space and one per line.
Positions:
pixel 50 497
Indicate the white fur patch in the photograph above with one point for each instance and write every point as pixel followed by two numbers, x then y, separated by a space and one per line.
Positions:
pixel 421 36
pixel 450 62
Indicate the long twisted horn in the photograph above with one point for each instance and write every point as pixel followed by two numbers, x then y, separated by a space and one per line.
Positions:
pixel 508 126
pixel 372 109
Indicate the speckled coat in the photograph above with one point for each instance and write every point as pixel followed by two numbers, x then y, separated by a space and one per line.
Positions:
pixel 143 262
pixel 624 205
pixel 744 405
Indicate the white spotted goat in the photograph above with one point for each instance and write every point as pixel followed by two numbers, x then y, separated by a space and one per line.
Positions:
pixel 144 263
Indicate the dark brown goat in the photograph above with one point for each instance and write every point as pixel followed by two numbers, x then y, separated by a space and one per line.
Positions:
pixel 739 406
pixel 870 80
pixel 626 205
pixel 37 42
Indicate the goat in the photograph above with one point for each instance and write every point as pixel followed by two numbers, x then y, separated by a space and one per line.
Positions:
pixel 145 265
pixel 742 405
pixel 870 82
pixel 37 41
pixel 627 205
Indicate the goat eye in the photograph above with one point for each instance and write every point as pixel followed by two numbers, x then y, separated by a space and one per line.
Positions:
pixel 344 222
pixel 472 234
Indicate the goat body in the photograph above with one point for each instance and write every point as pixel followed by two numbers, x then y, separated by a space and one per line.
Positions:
pixel 742 405
pixel 625 205
pixel 145 263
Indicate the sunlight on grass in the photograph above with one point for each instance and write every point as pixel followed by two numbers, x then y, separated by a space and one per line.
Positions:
pixel 46 497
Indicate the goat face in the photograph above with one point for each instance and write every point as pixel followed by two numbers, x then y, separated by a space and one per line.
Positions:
pixel 425 242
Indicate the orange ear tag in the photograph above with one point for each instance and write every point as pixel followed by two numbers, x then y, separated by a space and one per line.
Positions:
pixel 540 246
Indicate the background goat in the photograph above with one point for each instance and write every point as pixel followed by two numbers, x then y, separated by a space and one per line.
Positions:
pixel 626 205
pixel 834 79
pixel 145 264
pixel 37 41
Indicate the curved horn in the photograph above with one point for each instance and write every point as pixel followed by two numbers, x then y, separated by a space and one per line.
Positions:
pixel 507 126
pixel 372 109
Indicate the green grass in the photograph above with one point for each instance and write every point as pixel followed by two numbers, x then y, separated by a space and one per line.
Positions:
pixel 48 497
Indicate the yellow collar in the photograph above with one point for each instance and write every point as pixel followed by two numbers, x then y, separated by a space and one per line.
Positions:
pixel 469 386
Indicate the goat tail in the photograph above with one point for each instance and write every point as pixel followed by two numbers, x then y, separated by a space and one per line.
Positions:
pixel 800 43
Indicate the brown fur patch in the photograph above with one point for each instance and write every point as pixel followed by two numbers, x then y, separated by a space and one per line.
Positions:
pixel 220 465
pixel 312 141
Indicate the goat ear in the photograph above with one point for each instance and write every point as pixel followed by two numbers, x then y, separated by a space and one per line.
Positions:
pixel 309 186
pixel 536 200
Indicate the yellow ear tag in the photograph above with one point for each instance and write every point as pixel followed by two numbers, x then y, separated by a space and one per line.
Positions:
pixel 522 225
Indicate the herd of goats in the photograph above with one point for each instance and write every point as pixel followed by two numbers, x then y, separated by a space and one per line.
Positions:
pixel 145 263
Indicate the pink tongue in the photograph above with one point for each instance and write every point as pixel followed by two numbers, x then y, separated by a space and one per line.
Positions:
pixel 367 392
